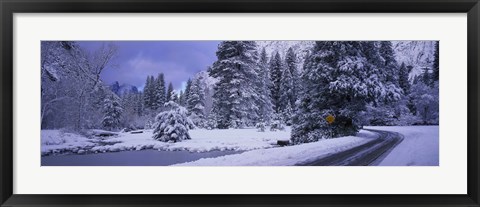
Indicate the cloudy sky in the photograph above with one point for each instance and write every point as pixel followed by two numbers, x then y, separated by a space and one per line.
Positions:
pixel 178 60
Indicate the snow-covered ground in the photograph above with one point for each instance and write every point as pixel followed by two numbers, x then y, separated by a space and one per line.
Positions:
pixel 290 155
pixel 420 146
pixel 56 141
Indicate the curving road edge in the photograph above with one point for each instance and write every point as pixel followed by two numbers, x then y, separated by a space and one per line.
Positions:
pixel 370 153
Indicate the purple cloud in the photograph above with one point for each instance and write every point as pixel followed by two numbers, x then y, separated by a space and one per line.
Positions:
pixel 178 60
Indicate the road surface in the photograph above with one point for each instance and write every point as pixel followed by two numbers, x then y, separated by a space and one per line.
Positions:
pixel 370 153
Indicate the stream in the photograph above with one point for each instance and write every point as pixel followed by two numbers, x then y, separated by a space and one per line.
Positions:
pixel 131 158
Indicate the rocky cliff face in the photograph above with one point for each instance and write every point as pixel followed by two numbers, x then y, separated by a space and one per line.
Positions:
pixel 300 48
pixel 418 54
pixel 123 88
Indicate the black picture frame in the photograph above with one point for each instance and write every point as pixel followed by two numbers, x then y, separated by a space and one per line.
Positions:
pixel 10 7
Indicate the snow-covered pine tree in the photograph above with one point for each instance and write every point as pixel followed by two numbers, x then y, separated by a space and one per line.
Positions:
pixel 403 81
pixel 129 114
pixel 277 123
pixel 148 92
pixel 196 100
pixel 235 95
pixel 427 77
pixel 276 68
pixel 291 63
pixel 187 92
pixel 287 114
pixel 173 124
pixel 139 103
pixel 264 84
pixel 390 66
pixel 169 92
pixel 112 112
pixel 436 62
pixel 286 95
pixel 338 80
pixel 160 93
pixel 386 110
pixel 181 99
pixel 211 121
pixel 174 97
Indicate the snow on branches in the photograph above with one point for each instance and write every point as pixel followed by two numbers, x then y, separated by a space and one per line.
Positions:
pixel 172 124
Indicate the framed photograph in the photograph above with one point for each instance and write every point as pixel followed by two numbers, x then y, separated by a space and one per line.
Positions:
pixel 200 103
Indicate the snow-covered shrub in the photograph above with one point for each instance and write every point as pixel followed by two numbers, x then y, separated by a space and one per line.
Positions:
pixel 260 126
pixel 172 124
pixel 425 100
pixel 112 112
pixel 234 124
pixel 211 123
pixel 277 125
pixel 408 120
pixel 380 115
pixel 149 125
pixel 316 135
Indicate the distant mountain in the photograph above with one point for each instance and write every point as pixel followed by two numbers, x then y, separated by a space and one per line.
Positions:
pixel 123 88
pixel 300 48
pixel 418 54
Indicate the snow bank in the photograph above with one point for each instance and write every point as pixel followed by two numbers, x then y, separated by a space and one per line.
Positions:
pixel 290 155
pixel 56 141
pixel 202 141
pixel 420 146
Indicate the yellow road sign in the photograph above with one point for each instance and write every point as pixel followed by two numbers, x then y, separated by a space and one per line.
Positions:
pixel 330 119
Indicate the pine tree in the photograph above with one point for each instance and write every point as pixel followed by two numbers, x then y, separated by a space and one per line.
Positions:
pixel 196 102
pixel 148 93
pixel 160 96
pixel 287 114
pixel 286 95
pixel 387 110
pixel 170 92
pixel 389 62
pixel 291 65
pixel 403 81
pixel 181 99
pixel 382 70
pixel 112 112
pixel 129 113
pixel 427 77
pixel 264 84
pixel 276 68
pixel 139 104
pixel 173 124
pixel 339 80
pixel 174 97
pixel 436 62
pixel 187 91
pixel 235 97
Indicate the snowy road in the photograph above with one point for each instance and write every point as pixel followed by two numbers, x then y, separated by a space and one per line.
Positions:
pixel 370 153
